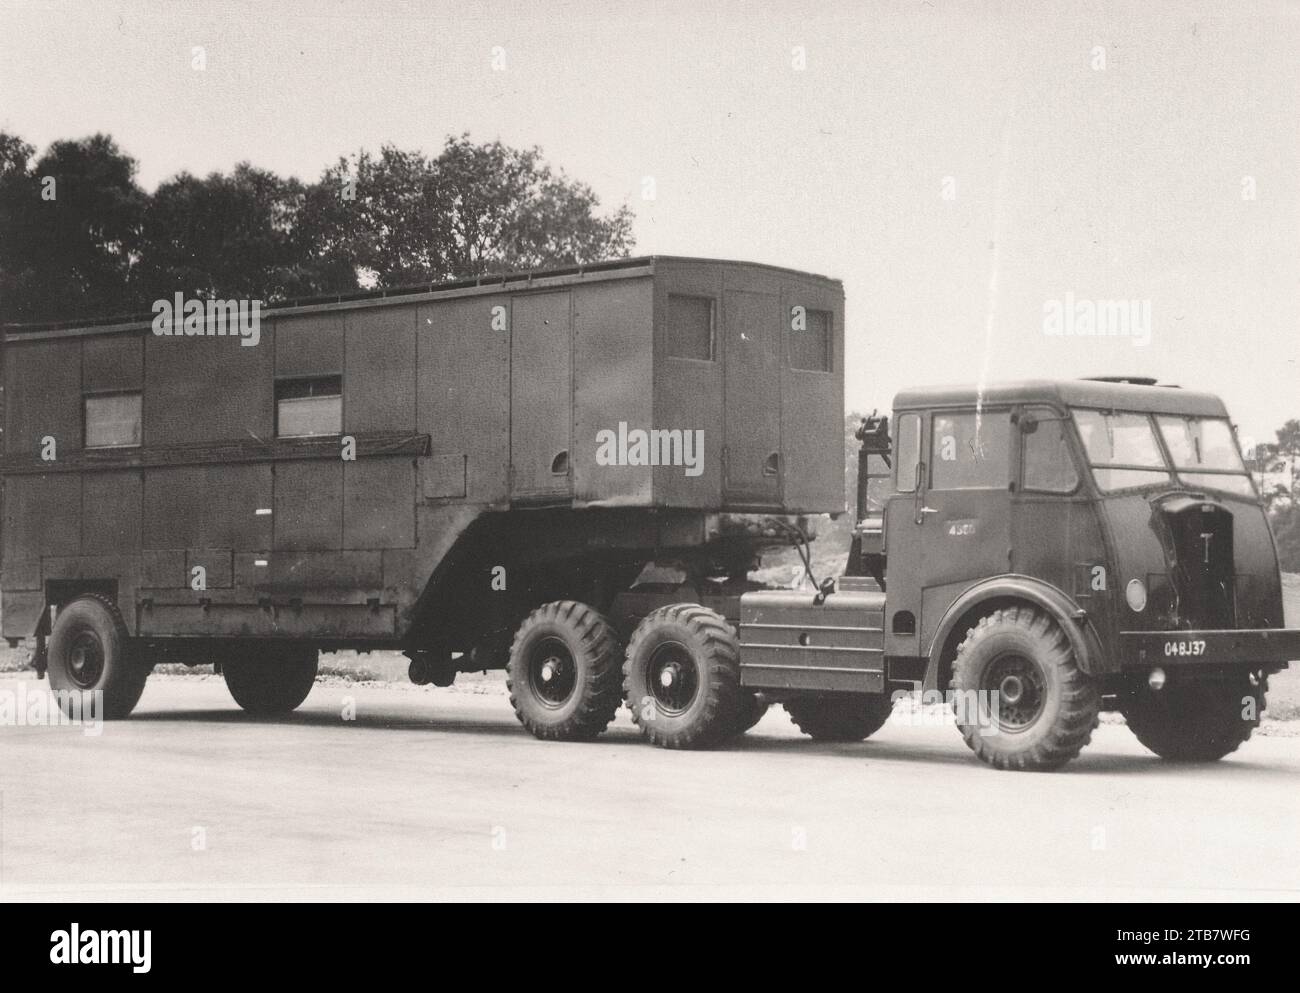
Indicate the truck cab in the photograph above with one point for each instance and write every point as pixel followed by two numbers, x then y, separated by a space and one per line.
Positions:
pixel 1048 550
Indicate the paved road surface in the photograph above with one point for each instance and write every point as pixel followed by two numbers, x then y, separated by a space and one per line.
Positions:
pixel 434 794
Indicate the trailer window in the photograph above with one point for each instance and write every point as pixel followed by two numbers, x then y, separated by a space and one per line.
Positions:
pixel 309 407
pixel 970 451
pixel 113 421
pixel 810 346
pixel 691 327
pixel 909 451
pixel 1048 466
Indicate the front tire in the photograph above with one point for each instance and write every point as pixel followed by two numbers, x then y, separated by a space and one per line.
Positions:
pixel 682 677
pixel 1200 721
pixel 272 682
pixel 89 652
pixel 563 674
pixel 1023 701
pixel 841 717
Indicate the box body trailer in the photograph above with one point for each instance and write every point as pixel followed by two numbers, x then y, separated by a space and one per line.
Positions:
pixel 417 469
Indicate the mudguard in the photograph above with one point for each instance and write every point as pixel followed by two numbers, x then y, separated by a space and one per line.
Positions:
pixel 1060 605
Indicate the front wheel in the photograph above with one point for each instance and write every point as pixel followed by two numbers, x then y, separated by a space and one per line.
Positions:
pixel 273 681
pixel 1200 721
pixel 1022 701
pixel 682 677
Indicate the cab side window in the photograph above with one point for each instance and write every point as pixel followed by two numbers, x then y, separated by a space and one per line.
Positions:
pixel 970 451
pixel 909 451
pixel 1049 468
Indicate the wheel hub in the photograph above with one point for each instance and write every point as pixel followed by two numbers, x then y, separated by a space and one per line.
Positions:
pixel 1012 689
pixel 1020 690
pixel 674 679
pixel 86 660
pixel 552 673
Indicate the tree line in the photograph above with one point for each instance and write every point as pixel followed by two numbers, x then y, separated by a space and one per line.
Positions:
pixel 80 238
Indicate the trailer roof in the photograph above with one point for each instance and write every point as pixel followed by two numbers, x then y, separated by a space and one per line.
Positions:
pixel 1100 394
pixel 643 265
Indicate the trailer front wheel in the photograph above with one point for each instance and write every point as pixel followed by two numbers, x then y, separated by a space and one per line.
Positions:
pixel 682 677
pixel 563 674
pixel 272 682
pixel 1022 701
pixel 89 654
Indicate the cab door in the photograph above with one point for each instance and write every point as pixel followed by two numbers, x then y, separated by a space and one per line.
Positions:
pixel 959 528
pixel 904 565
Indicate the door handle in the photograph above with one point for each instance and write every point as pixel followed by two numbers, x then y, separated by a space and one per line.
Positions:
pixel 922 511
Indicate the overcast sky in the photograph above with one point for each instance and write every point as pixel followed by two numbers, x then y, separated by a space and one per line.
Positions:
pixel 1105 150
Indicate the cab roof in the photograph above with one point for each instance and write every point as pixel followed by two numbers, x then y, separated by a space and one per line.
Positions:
pixel 1103 395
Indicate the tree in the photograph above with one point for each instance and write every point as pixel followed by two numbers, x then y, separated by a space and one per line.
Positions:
pixel 70 225
pixel 1286 530
pixel 232 237
pixel 1288 448
pixel 79 238
pixel 403 218
pixel 18 196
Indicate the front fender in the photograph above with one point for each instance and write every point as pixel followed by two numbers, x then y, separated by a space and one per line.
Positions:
pixel 1002 591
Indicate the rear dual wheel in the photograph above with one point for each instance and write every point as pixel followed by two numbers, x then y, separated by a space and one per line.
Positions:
pixel 271 680
pixel 681 679
pixel 563 674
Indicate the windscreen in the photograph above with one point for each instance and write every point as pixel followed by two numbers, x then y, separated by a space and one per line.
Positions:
pixel 1122 448
pixel 1205 453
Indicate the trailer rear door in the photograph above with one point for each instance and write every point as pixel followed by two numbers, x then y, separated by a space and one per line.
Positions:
pixel 753 399
pixel 541 352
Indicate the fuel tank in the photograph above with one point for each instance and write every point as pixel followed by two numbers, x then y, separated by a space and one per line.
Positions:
pixel 792 640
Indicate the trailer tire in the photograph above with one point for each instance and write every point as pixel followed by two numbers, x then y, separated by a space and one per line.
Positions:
pixel 90 651
pixel 1199 721
pixel 273 681
pixel 681 679
pixel 842 717
pixel 1047 705
pixel 563 674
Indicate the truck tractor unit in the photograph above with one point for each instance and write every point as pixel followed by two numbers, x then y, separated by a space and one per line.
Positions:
pixel 1034 553
pixel 507 472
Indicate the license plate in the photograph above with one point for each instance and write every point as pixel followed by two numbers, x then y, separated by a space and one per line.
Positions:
pixel 1184 647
